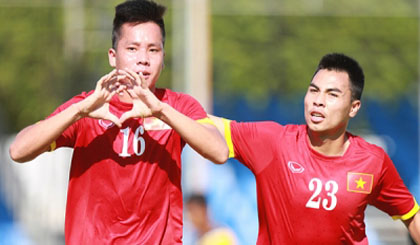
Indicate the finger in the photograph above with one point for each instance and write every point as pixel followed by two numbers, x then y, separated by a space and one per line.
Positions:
pixel 111 117
pixel 131 93
pixel 119 83
pixel 121 88
pixel 128 80
pixel 127 115
pixel 111 94
pixel 143 82
pixel 118 86
pixel 127 75
pixel 108 79
pixel 137 78
pixel 110 75
pixel 101 81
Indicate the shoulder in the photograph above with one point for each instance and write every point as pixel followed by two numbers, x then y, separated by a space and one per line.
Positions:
pixel 268 125
pixel 82 95
pixel 167 94
pixel 174 98
pixel 270 128
pixel 181 102
pixel 295 129
pixel 75 99
pixel 364 147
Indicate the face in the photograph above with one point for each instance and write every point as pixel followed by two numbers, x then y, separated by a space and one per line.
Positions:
pixel 140 49
pixel 197 214
pixel 328 103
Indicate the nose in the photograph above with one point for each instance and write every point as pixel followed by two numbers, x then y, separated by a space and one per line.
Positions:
pixel 319 99
pixel 142 57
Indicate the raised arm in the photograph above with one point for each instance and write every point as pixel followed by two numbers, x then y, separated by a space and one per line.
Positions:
pixel 36 139
pixel 413 226
pixel 204 138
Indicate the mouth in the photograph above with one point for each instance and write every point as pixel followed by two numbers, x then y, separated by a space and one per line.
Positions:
pixel 317 117
pixel 144 74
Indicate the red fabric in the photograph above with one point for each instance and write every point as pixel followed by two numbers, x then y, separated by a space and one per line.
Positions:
pixel 116 196
pixel 305 197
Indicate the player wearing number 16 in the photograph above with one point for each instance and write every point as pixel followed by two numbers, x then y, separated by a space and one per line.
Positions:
pixel 127 135
pixel 314 181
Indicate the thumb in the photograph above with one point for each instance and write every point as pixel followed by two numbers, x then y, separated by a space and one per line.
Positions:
pixel 127 115
pixel 111 117
pixel 143 83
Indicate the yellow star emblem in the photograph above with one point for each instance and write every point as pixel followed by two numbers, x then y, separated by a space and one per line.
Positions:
pixel 360 183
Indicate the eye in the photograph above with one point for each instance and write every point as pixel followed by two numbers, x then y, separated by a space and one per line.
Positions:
pixel 333 95
pixel 131 49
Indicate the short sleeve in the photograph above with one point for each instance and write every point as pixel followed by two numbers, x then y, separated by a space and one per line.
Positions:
pixel 392 196
pixel 254 143
pixel 190 107
pixel 68 137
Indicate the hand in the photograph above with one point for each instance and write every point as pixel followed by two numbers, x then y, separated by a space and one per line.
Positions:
pixel 145 103
pixel 97 104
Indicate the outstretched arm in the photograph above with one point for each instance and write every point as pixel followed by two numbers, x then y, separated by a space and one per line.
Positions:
pixel 36 139
pixel 203 138
pixel 219 124
pixel 413 226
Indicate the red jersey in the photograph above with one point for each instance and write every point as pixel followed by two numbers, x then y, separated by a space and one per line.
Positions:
pixel 305 197
pixel 125 183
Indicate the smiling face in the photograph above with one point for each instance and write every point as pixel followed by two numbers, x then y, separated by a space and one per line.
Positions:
pixel 328 103
pixel 140 49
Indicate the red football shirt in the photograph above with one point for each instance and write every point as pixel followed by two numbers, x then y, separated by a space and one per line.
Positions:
pixel 125 183
pixel 305 197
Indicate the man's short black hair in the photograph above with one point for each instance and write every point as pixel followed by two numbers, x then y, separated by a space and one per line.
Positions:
pixel 197 198
pixel 341 62
pixel 137 11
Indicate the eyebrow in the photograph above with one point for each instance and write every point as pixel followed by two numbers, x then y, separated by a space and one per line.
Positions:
pixel 157 44
pixel 328 90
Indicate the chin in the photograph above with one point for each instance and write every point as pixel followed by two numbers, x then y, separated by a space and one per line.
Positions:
pixel 316 128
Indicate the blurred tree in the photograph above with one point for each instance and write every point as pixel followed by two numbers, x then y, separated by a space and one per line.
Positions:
pixel 31 67
pixel 269 48
pixel 260 49
pixel 278 55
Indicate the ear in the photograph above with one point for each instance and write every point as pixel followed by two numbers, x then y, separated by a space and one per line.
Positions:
pixel 112 54
pixel 355 106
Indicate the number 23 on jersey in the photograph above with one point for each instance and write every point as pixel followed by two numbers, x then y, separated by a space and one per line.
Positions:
pixel 316 201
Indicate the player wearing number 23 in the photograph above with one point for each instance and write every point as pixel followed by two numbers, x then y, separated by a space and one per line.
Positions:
pixel 314 181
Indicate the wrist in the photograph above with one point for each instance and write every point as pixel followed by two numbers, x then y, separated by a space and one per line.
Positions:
pixel 87 105
pixel 81 110
pixel 160 110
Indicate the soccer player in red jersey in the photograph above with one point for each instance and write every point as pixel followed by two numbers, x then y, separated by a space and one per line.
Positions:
pixel 127 135
pixel 314 181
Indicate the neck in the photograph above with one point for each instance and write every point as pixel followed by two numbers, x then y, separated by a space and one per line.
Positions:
pixel 329 144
